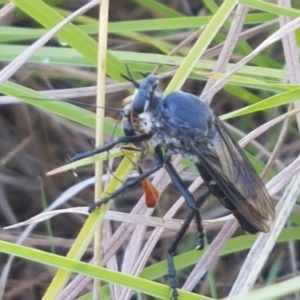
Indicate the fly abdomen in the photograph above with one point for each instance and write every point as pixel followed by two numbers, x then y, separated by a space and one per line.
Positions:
pixel 214 188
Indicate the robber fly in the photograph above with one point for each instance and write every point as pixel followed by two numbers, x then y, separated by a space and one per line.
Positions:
pixel 180 123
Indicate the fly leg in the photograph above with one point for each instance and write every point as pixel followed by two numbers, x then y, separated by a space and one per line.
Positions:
pixel 189 198
pixel 108 146
pixel 170 254
pixel 177 238
pixel 159 164
pixel 194 214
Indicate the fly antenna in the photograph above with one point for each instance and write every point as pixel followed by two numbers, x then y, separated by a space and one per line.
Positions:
pixel 130 78
pixel 144 74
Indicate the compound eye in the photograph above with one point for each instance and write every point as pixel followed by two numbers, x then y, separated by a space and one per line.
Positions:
pixel 140 103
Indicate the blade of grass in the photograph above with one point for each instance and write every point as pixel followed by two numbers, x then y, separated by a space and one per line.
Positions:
pixel 100 102
pixel 87 231
pixel 71 34
pixel 72 265
pixel 271 102
pixel 15 64
pixel 200 46
pixel 272 8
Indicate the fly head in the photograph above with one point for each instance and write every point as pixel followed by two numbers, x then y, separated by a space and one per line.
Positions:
pixel 138 113
pixel 143 94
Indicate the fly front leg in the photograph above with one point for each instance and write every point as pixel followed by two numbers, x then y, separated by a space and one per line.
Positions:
pixel 159 164
pixel 109 146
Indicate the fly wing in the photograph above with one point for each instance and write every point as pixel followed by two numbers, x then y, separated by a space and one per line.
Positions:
pixel 239 187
